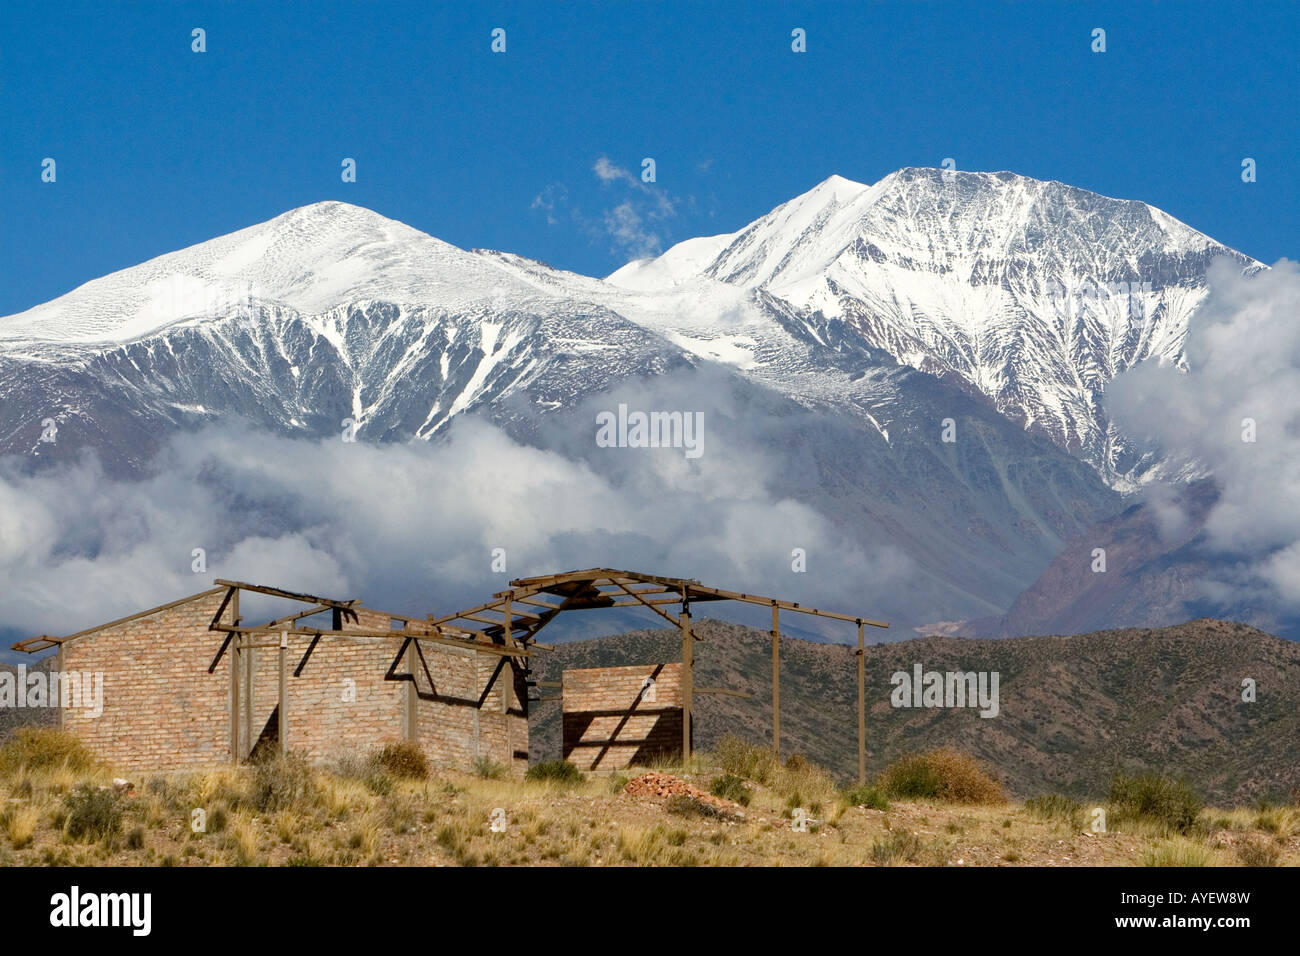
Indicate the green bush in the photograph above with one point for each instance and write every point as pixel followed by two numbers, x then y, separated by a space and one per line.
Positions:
pixel 730 787
pixel 1171 802
pixel 558 771
pixel 41 748
pixel 282 782
pixel 942 774
pixel 402 759
pixel 92 813
pixel 866 796
pixel 911 777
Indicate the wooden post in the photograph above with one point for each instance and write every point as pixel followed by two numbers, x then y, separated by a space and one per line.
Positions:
pixel 234 678
pixel 247 655
pixel 688 686
pixel 862 706
pixel 508 633
pixel 776 681
pixel 507 681
pixel 62 703
pixel 412 697
pixel 284 694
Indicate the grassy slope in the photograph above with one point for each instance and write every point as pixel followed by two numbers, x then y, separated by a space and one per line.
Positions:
pixel 343 820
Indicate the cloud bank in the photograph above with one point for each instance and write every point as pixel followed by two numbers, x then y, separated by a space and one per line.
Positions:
pixel 408 528
pixel 1236 414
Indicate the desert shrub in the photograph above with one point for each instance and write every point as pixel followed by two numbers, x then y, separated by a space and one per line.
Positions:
pixel 365 768
pixel 1258 853
pixel 873 798
pixel 403 759
pixel 911 777
pixel 488 769
pixel 1172 803
pixel 20 822
pixel 1055 806
pixel 730 787
pixel 943 774
pixel 41 748
pixel 745 760
pixel 92 813
pixel 557 771
pixel 899 845
pixel 282 782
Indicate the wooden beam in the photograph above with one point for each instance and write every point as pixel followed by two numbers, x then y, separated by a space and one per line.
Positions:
pixel 50 641
pixel 290 618
pixel 469 612
pixel 233 661
pixel 649 602
pixel 776 680
pixel 412 698
pixel 507 635
pixel 62 670
pixel 281 593
pixel 720 594
pixel 519 615
pixel 862 707
pixel 688 663
pixel 284 694
pixel 434 638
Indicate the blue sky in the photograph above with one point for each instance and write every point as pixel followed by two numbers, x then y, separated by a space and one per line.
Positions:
pixel 158 147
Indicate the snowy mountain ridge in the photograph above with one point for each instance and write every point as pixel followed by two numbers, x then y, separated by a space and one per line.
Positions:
pixel 966 276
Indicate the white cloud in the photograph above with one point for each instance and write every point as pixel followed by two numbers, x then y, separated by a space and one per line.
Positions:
pixel 1243 355
pixel 407 527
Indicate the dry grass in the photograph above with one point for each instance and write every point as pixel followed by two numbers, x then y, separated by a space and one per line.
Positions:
pixel 20 824
pixel 283 814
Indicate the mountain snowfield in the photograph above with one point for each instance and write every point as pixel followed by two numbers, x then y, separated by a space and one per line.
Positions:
pixel 849 322
pixel 968 275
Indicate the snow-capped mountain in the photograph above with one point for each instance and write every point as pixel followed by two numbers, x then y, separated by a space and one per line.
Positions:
pixel 1035 294
pixel 847 325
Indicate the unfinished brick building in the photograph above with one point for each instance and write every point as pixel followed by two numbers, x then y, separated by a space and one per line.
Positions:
pixel 187 685
pixel 192 683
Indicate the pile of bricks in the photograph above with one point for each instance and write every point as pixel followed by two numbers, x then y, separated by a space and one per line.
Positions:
pixel 666 785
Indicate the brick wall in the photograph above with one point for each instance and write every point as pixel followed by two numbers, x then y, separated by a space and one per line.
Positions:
pixel 469 705
pixel 338 699
pixel 609 722
pixel 161 706
pixel 164 710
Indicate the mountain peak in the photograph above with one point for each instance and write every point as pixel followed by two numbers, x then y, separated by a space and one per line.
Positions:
pixel 311 258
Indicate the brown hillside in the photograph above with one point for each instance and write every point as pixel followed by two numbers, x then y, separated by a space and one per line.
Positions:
pixel 1072 709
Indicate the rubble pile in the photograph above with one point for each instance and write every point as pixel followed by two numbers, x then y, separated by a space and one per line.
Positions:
pixel 666 785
